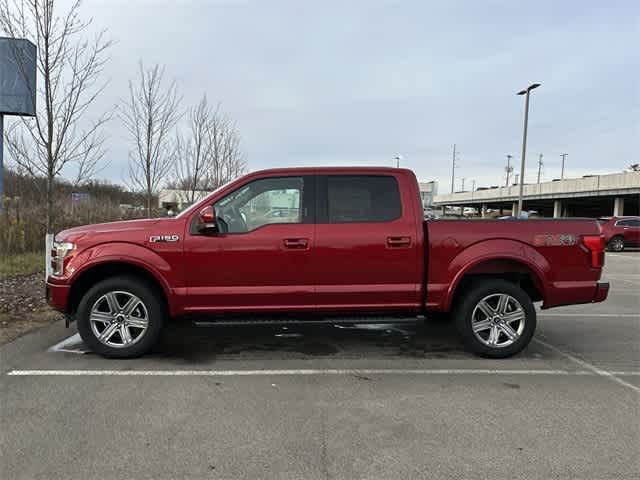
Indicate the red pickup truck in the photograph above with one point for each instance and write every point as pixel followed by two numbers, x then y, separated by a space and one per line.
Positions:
pixel 321 243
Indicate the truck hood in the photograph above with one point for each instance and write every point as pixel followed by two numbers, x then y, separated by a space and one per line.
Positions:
pixel 123 230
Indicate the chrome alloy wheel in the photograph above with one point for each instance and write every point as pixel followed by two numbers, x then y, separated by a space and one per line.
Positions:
pixel 616 244
pixel 119 319
pixel 498 320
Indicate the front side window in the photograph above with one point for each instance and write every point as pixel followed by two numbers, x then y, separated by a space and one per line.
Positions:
pixel 360 199
pixel 261 202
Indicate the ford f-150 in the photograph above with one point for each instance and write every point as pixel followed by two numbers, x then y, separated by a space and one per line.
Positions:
pixel 321 243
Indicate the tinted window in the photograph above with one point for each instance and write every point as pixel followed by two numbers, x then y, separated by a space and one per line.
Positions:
pixel 628 223
pixel 357 199
pixel 259 203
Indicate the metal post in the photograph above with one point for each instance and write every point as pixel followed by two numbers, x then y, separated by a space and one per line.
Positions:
pixel 508 169
pixel 524 150
pixel 539 167
pixel 563 155
pixel 1 162
pixel 453 168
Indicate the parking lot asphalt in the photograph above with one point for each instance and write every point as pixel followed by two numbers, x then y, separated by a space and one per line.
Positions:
pixel 391 401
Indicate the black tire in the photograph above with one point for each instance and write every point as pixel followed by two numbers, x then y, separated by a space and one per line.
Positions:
pixel 492 288
pixel 152 302
pixel 616 244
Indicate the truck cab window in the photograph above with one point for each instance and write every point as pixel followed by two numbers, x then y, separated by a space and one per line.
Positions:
pixel 262 202
pixel 360 199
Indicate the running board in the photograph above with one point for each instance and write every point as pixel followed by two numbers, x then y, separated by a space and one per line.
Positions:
pixel 307 320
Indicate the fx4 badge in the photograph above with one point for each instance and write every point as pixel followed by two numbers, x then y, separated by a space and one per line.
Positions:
pixel 562 240
pixel 164 238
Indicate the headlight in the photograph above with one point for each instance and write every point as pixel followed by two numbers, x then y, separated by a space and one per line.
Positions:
pixel 58 253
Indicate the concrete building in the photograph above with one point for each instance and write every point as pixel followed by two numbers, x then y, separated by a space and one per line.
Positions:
pixel 428 190
pixel 178 200
pixel 590 196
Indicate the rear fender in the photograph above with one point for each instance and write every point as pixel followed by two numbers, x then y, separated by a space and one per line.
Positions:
pixel 499 249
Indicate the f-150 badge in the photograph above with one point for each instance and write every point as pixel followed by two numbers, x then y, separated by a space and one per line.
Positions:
pixel 164 238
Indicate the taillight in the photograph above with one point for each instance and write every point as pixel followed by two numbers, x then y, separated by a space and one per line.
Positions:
pixel 595 244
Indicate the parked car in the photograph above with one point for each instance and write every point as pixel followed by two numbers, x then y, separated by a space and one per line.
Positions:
pixel 359 249
pixel 620 232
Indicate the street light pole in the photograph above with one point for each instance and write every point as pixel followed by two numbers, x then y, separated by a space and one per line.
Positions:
pixel 397 159
pixel 525 92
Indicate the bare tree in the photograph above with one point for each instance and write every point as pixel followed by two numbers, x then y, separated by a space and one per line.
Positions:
pixel 209 154
pixel 149 114
pixel 69 67
pixel 228 161
pixel 193 151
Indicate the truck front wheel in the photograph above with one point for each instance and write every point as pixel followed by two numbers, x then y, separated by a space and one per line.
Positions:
pixel 121 317
pixel 496 318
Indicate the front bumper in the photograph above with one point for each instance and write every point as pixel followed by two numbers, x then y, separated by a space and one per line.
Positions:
pixel 58 296
pixel 602 290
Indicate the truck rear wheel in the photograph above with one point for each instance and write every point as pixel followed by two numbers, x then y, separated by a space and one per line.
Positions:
pixel 496 318
pixel 121 317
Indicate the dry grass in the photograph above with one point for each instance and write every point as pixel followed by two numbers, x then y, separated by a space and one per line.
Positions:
pixel 21 264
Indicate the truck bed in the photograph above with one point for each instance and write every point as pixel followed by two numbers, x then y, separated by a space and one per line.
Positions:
pixel 549 252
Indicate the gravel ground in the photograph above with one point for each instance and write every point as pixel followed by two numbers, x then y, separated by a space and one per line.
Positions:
pixel 23 306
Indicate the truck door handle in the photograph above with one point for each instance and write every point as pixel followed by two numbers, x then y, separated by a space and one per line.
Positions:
pixel 398 242
pixel 296 243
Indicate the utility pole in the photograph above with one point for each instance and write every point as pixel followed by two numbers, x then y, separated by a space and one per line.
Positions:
pixel 453 168
pixel 463 179
pixel 397 159
pixel 539 167
pixel 563 155
pixel 508 169
pixel 473 185
pixel 517 178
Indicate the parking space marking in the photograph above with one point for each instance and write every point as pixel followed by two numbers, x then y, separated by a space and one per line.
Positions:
pixel 620 315
pixel 72 344
pixel 623 256
pixel 616 278
pixel 311 371
pixel 588 366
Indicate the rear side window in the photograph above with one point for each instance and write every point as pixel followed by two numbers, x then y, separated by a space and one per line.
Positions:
pixel 362 199
pixel 629 223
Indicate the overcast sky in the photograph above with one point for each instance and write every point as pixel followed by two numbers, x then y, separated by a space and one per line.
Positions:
pixel 347 82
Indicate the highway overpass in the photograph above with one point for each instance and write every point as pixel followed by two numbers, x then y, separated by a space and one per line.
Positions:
pixel 590 196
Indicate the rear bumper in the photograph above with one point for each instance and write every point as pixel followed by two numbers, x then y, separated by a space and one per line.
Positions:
pixel 575 293
pixel 58 296
pixel 602 290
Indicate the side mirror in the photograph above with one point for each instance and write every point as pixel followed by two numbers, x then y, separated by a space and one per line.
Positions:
pixel 207 220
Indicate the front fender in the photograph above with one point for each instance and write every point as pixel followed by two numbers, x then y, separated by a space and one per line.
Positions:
pixel 498 249
pixel 124 252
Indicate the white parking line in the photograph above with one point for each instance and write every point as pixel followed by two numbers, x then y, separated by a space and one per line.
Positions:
pixel 73 340
pixel 619 315
pixel 623 280
pixel 588 366
pixel 621 255
pixel 292 372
